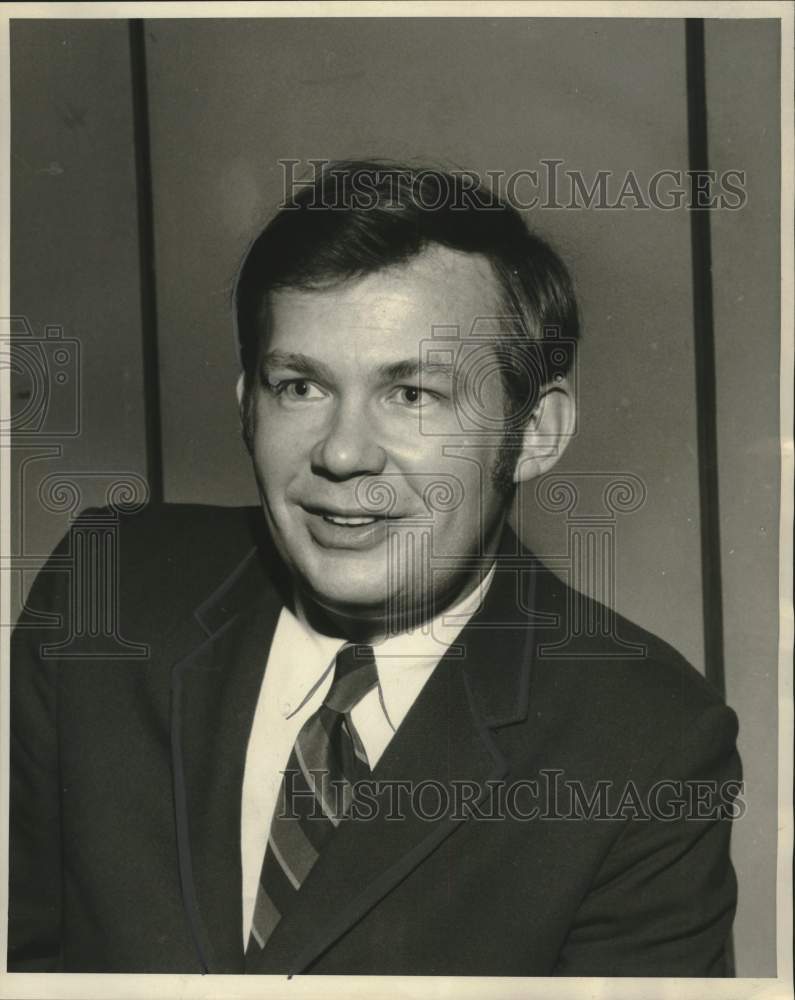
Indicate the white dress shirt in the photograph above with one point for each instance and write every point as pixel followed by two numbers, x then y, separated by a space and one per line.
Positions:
pixel 298 675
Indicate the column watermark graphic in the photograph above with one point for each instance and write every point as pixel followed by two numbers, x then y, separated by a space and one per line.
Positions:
pixel 85 506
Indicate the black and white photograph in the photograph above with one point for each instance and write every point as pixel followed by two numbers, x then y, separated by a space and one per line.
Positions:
pixel 396 460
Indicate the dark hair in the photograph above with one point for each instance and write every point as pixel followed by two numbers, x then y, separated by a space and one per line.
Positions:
pixel 358 217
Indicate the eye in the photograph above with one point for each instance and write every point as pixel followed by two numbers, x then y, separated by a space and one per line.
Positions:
pixel 294 389
pixel 414 397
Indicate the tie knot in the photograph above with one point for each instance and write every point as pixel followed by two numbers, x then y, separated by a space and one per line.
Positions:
pixel 355 674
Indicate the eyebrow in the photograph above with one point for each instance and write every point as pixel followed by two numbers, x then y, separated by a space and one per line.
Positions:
pixel 300 363
pixel 392 372
pixel 411 368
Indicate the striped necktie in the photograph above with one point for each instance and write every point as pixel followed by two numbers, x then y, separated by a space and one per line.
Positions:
pixel 316 791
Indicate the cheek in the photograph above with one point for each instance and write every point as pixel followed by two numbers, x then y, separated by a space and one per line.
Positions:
pixel 481 500
pixel 276 444
pixel 273 463
pixel 453 495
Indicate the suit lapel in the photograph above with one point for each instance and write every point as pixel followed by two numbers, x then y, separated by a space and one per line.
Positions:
pixel 447 739
pixel 214 693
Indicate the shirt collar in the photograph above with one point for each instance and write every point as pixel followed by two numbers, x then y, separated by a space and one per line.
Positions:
pixel 404 661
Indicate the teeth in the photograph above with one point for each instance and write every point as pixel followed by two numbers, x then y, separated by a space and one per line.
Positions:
pixel 348 521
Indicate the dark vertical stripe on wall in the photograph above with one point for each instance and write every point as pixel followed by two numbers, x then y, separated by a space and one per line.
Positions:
pixel 704 330
pixel 146 250
pixel 706 395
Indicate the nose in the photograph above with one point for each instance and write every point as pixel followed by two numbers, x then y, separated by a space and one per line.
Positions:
pixel 349 446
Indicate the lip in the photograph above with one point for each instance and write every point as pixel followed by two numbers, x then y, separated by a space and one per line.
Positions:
pixel 338 536
pixel 329 511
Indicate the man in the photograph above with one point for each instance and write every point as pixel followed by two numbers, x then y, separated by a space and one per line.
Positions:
pixel 363 740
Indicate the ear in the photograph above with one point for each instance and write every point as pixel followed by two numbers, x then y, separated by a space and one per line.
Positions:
pixel 547 432
pixel 242 408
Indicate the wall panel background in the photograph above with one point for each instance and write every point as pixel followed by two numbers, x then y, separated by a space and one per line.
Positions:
pixel 744 134
pixel 74 252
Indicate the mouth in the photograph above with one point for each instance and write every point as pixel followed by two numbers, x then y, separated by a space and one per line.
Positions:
pixel 345 515
pixel 349 521
pixel 334 528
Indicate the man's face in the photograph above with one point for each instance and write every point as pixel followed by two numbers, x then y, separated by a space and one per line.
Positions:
pixel 374 494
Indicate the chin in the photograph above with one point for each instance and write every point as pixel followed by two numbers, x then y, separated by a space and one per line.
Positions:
pixel 349 596
pixel 364 596
pixel 353 605
pixel 352 584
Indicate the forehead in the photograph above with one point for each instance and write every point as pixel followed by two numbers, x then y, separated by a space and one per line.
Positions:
pixel 390 311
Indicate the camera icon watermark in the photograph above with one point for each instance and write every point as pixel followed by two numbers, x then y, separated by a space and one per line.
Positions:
pixel 496 357
pixel 45 381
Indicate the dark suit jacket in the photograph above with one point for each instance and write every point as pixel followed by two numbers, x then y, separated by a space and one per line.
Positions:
pixel 127 776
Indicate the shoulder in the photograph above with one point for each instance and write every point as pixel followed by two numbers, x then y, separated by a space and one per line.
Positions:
pixel 185 550
pixel 581 638
pixel 175 527
pixel 165 558
pixel 624 693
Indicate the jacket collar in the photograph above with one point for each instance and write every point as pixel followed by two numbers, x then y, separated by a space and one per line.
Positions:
pixel 214 689
pixel 481 684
